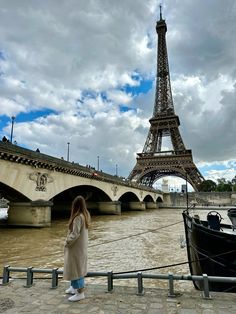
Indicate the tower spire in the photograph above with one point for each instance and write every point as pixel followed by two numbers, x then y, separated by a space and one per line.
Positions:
pixel 160 11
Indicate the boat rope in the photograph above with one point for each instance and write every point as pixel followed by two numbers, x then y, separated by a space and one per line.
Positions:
pixel 152 268
pixel 229 289
pixel 212 258
pixel 215 261
pixel 135 235
pixel 173 265
pixel 103 243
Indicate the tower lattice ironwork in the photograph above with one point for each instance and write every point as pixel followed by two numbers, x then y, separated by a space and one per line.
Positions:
pixel 155 162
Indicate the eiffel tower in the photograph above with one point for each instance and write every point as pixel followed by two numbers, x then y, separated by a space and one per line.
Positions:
pixel 154 163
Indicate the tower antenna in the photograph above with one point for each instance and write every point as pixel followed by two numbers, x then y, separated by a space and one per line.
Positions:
pixel 160 11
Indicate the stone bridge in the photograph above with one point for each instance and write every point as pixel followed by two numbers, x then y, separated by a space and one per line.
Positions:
pixel 39 186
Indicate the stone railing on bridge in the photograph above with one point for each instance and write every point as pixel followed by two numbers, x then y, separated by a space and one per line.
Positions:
pixel 17 154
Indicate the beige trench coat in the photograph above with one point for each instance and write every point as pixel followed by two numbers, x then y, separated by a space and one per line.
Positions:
pixel 75 253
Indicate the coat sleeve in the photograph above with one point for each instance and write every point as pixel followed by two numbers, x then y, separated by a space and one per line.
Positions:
pixel 75 233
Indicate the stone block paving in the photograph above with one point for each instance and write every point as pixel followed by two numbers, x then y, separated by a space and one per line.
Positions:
pixel 40 298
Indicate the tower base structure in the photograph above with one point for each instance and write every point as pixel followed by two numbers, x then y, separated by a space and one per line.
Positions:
pixel 151 167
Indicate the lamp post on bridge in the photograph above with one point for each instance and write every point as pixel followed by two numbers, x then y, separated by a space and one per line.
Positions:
pixel 98 163
pixel 12 125
pixel 68 151
pixel 116 170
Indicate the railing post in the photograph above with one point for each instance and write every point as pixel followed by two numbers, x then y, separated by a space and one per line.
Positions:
pixel 206 294
pixel 29 279
pixel 171 286
pixel 6 275
pixel 54 278
pixel 140 283
pixel 110 281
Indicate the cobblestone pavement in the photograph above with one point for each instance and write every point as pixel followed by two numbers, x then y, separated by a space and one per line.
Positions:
pixel 40 298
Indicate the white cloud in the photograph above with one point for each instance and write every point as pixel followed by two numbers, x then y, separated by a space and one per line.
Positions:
pixel 119 97
pixel 10 107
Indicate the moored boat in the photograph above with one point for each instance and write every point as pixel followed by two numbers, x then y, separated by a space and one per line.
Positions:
pixel 211 248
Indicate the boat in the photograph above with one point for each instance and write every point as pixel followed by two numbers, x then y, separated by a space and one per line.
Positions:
pixel 211 248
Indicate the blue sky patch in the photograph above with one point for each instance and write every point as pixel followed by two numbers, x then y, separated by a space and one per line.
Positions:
pixel 135 76
pixel 2 55
pixel 143 87
pixel 4 120
pixel 88 94
pixel 104 96
pixel 33 115
pixel 217 167
pixel 124 108
pixel 206 168
pixel 23 117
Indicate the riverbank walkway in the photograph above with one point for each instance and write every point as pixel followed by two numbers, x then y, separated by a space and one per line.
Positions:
pixel 40 298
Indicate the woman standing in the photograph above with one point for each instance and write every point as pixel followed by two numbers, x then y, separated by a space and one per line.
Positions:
pixel 75 253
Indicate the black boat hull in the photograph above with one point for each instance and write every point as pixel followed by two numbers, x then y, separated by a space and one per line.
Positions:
pixel 210 252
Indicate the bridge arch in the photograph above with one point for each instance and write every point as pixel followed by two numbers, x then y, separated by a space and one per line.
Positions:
pixel 92 194
pixel 129 196
pixel 127 199
pixel 159 199
pixel 12 194
pixel 148 198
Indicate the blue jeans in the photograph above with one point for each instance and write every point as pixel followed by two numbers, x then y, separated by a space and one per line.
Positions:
pixel 78 283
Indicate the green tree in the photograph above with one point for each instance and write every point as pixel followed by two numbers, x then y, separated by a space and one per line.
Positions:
pixel 207 186
pixel 223 185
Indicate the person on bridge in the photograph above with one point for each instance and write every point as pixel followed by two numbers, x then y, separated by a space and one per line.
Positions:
pixel 75 251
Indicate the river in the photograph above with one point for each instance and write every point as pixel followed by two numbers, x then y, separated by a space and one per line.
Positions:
pixel 131 241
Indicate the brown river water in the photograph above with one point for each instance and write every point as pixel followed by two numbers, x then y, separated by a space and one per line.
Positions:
pixel 131 241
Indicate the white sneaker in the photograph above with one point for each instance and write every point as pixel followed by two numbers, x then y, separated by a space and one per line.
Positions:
pixel 70 290
pixel 77 297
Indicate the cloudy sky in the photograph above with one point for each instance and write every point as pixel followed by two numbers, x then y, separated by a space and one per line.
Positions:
pixel 83 72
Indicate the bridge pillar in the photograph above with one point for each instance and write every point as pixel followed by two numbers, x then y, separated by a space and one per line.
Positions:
pixel 151 205
pixel 31 214
pixel 110 208
pixel 93 207
pixel 135 206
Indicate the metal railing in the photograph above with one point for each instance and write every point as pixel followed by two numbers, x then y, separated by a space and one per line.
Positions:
pixel 55 272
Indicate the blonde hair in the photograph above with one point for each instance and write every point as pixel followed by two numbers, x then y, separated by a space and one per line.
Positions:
pixel 79 207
